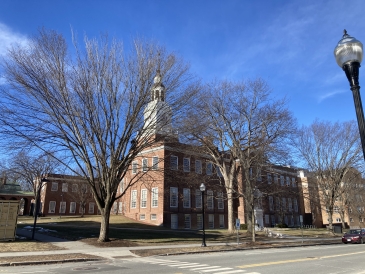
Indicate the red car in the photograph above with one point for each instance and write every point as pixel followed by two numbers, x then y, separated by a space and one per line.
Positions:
pixel 354 236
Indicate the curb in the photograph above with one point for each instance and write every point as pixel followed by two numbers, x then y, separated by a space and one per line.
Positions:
pixel 49 262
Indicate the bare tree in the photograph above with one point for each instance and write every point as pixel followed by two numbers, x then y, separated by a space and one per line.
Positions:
pixel 242 129
pixel 90 104
pixel 80 193
pixel 26 169
pixel 330 151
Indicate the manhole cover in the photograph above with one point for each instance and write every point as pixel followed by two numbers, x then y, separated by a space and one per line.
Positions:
pixel 85 268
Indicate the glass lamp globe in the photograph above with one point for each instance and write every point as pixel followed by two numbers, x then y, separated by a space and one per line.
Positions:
pixel 348 50
pixel 202 187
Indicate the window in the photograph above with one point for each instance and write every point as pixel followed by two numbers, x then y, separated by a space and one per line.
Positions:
pixel 336 209
pixel 284 204
pixel 259 178
pixel 292 220
pixel 198 166
pixel 143 198
pixel 142 217
pixel 54 186
pixel 72 207
pixel 52 207
pixel 63 207
pixel 187 221
pixel 275 179
pixel 271 203
pixel 220 200
pixel 290 205
pixel 153 217
pixel 295 205
pixel 267 219
pixel 186 198
pixel 186 164
pixel 120 207
pixel 173 162
pixel 351 220
pixel 91 208
pixel 174 221
pixel 282 183
pixel 338 220
pixel 360 220
pixel 115 208
pixel 287 181
pixel 154 163
pixel 121 186
pixel 198 198
pixel 218 169
pixel 209 168
pixel 84 188
pixel 277 203
pixel 145 165
pixel 210 201
pixel 269 178
pixel 64 187
pixel 134 167
pixel 293 183
pixel 154 197
pixel 173 196
pixel 134 199
pixel 199 221
pixel 221 221
pixel 210 221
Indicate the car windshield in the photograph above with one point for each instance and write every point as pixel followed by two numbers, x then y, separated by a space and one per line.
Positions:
pixel 354 231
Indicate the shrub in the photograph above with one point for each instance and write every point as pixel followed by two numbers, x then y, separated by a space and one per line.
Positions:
pixel 283 225
pixel 243 227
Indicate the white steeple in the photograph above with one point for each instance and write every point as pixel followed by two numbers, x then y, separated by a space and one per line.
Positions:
pixel 158 114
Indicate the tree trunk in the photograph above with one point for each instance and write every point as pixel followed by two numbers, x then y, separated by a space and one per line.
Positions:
pixel 230 211
pixel 253 224
pixel 104 224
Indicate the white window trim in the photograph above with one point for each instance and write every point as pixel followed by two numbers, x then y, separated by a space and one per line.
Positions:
pixel 186 168
pixel 134 199
pixel 144 198
pixel 172 195
pixel 186 198
pixel 154 197
pixel 174 167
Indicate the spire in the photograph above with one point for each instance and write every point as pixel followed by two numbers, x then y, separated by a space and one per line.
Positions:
pixel 158 89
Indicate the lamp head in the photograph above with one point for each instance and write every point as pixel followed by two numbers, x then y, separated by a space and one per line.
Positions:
pixel 202 187
pixel 348 50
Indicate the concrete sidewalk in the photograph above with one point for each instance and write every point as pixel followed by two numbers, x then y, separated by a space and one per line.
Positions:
pixel 120 252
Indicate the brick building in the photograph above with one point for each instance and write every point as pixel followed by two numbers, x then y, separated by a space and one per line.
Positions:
pixel 66 195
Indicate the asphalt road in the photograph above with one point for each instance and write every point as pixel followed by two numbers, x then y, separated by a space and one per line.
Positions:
pixel 326 259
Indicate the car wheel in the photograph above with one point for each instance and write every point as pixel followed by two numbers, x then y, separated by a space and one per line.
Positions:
pixel 344 243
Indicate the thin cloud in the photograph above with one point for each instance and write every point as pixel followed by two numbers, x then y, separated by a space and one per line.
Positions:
pixel 329 95
pixel 9 37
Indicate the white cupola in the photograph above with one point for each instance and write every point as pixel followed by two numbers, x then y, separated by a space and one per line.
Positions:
pixel 158 114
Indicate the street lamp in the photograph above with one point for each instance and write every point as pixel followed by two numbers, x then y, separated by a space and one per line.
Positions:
pixel 39 187
pixel 348 54
pixel 202 189
pixel 61 205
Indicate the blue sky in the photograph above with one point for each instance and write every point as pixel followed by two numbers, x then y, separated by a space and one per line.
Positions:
pixel 288 43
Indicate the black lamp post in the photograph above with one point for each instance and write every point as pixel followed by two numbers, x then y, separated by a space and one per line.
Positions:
pixel 61 205
pixel 348 54
pixel 202 189
pixel 37 203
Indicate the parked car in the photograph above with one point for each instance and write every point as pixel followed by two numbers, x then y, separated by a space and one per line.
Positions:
pixel 354 236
